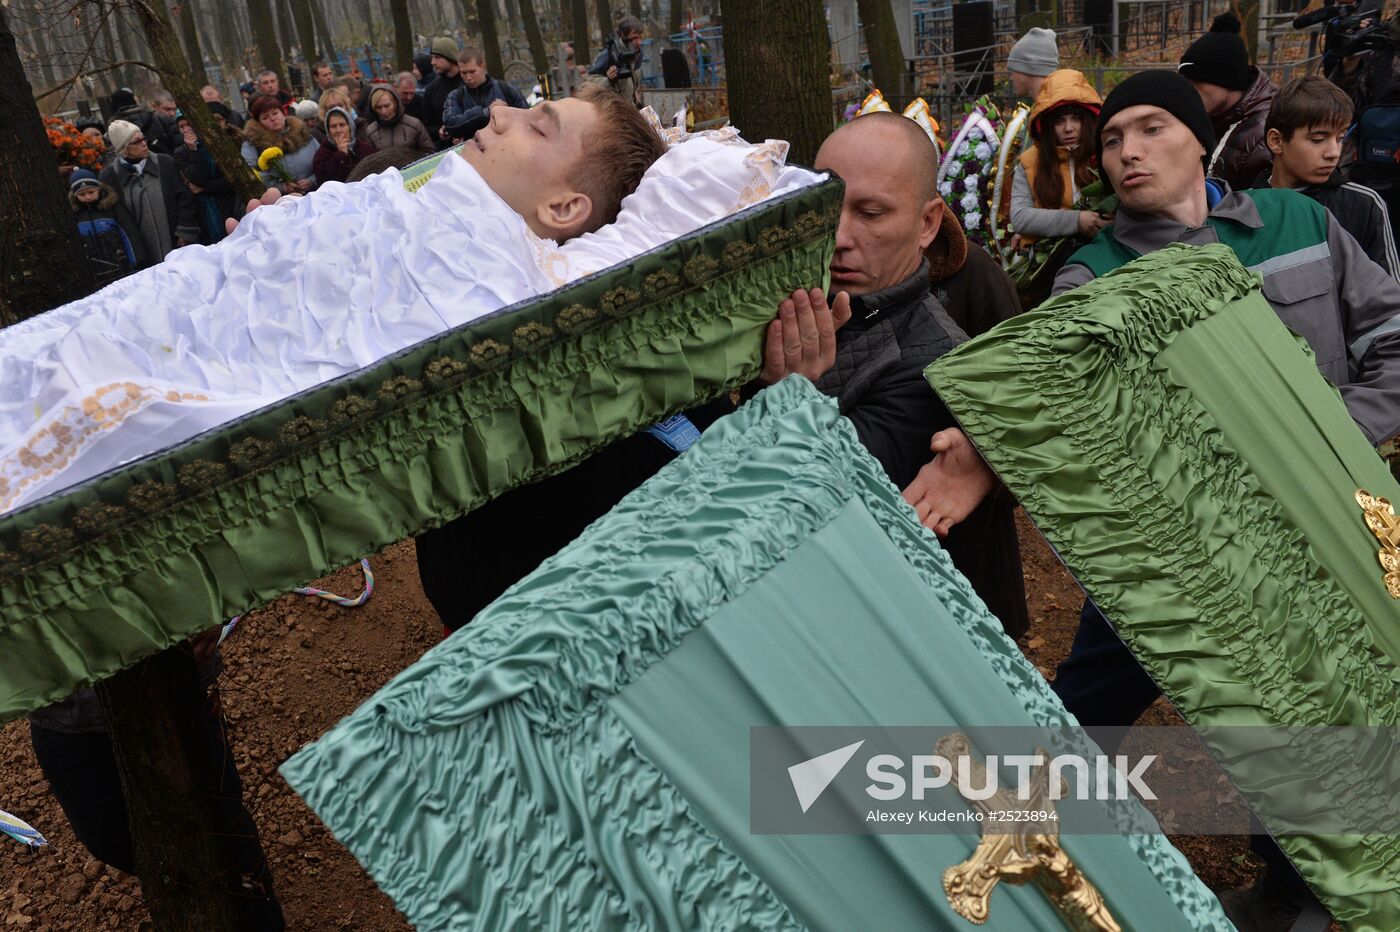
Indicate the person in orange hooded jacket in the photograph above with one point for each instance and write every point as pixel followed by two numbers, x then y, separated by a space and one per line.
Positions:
pixel 1053 171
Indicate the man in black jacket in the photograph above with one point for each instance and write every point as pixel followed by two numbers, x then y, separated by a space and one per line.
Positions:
pixel 468 108
pixel 435 95
pixel 884 327
pixel 160 132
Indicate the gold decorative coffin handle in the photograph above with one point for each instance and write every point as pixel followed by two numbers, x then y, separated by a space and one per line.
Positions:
pixel 1380 518
pixel 1028 852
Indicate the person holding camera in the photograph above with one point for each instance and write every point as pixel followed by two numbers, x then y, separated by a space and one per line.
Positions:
pixel 621 59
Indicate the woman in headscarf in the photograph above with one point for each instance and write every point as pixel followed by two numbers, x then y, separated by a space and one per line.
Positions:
pixel 342 151
pixel 389 126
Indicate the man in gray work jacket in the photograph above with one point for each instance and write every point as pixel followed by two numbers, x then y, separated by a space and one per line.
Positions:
pixel 1153 139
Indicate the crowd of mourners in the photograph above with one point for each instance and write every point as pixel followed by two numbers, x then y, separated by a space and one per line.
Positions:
pixel 1198 155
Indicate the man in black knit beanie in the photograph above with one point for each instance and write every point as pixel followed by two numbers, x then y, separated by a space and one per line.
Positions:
pixel 1237 97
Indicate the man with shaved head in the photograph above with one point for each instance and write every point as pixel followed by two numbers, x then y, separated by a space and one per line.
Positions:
pixel 869 347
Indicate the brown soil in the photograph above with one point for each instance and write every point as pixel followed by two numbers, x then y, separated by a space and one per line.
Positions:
pixel 297 667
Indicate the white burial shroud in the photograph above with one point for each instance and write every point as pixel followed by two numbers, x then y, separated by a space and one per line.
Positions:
pixel 311 289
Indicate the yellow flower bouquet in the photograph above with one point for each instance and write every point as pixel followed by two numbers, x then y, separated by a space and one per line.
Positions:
pixel 270 161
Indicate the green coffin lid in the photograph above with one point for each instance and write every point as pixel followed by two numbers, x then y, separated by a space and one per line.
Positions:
pixel 113 570
pixel 578 756
pixel 1176 444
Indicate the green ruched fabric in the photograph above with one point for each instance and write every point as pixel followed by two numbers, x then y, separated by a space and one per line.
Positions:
pixel 1176 444
pixel 120 567
pixel 577 757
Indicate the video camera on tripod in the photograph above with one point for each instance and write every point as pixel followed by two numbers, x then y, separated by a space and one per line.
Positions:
pixel 1350 28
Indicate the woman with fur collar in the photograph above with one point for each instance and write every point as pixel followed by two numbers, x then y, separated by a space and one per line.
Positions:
pixel 269 127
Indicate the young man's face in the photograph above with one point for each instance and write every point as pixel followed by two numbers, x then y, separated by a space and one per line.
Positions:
pixel 473 72
pixel 324 77
pixel 885 224
pixel 89 194
pixel 444 65
pixel 1309 156
pixel 1152 158
pixel 633 40
pixel 528 156
pixel 1024 85
pixel 1218 100
pixel 268 84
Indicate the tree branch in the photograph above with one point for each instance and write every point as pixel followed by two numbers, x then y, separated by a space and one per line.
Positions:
pixel 69 82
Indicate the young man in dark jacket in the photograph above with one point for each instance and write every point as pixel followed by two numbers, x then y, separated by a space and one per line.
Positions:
pixel 111 238
pixel 1153 140
pixel 435 95
pixel 468 108
pixel 1306 129
pixel 1237 97
pixel 160 132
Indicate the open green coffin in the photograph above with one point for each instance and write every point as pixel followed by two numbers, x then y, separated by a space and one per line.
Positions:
pixel 578 756
pixel 1177 446
pixel 142 557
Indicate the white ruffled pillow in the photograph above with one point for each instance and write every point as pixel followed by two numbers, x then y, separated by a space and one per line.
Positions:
pixel 702 178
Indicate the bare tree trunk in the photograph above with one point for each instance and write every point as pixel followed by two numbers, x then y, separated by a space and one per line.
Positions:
pixel 39 38
pixel 367 7
pixel 175 74
pixel 328 47
pixel 286 28
pixel 42 263
pixel 578 13
pixel 230 41
pixel 188 866
pixel 306 35
pixel 882 44
pixel 490 41
pixel 539 53
pixel 674 24
pixel 635 8
pixel 403 34
pixel 191 34
pixel 776 54
pixel 265 34
pixel 603 9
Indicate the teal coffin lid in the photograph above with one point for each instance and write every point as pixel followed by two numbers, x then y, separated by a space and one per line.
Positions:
pixel 578 756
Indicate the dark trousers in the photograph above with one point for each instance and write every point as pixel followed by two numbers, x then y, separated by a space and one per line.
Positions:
pixel 1105 687
pixel 82 773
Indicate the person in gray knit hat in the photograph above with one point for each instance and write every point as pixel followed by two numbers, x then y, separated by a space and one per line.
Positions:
pixel 449 78
pixel 1033 57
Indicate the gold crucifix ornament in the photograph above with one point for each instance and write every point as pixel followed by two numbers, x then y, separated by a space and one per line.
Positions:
pixel 1019 852
pixel 1380 518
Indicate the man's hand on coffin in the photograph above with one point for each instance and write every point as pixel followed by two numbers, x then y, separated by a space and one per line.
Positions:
pixel 270 196
pixel 950 487
pixel 802 338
